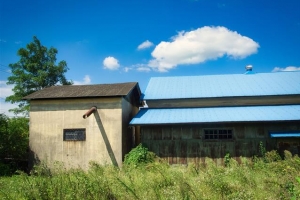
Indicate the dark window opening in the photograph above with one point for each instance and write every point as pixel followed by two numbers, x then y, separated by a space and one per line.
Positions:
pixel 74 134
pixel 218 134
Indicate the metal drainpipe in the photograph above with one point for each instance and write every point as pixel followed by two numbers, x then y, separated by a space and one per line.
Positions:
pixel 89 112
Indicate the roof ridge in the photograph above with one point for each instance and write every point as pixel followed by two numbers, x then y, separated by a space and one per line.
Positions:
pixel 243 74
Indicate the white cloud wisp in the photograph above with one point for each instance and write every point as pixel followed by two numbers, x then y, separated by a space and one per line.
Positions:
pixel 287 69
pixel 200 45
pixel 86 81
pixel 111 63
pixel 5 91
pixel 145 45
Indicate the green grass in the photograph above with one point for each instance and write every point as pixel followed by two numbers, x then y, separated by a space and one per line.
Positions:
pixel 259 178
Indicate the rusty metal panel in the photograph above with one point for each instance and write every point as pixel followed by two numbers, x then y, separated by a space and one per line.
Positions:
pixel 292 145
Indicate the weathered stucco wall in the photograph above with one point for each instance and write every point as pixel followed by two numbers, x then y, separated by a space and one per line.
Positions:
pixel 182 144
pixel 48 119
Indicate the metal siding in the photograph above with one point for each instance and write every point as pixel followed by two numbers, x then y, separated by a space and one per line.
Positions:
pixel 184 149
pixel 217 114
pixel 198 150
pixel 230 85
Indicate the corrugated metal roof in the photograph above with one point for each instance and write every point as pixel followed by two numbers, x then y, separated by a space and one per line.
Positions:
pixel 230 85
pixel 285 134
pixel 79 91
pixel 216 114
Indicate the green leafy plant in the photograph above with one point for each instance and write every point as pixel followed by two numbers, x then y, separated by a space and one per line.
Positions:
pixel 227 160
pixel 139 155
pixel 262 150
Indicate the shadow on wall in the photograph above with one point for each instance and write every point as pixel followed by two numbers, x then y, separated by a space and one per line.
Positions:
pixel 33 160
pixel 105 138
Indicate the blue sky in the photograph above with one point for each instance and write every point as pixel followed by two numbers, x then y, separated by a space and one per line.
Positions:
pixel 111 41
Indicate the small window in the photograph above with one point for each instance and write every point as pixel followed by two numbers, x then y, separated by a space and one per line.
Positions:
pixel 218 134
pixel 74 134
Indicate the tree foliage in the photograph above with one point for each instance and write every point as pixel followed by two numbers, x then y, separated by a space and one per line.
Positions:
pixel 14 134
pixel 35 70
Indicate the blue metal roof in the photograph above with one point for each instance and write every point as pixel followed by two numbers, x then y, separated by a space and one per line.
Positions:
pixel 230 85
pixel 284 134
pixel 148 116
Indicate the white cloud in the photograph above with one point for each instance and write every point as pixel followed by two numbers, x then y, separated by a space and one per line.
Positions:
pixel 138 67
pixel 111 63
pixel 86 81
pixel 143 69
pixel 145 45
pixel 5 107
pixel 5 91
pixel 127 69
pixel 287 69
pixel 2 41
pixel 200 45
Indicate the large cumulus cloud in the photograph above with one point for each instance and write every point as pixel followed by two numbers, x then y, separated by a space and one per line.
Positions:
pixel 200 45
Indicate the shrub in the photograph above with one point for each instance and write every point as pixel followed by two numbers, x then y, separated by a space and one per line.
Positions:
pixel 272 156
pixel 227 160
pixel 287 155
pixel 139 155
pixel 4 170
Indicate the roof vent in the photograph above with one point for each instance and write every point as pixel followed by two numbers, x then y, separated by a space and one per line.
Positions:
pixel 249 69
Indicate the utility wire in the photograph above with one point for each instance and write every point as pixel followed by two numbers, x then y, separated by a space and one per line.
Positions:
pixel 4 68
pixel 4 65
pixel 5 71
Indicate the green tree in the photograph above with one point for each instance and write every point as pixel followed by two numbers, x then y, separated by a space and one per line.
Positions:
pixel 14 134
pixel 13 144
pixel 35 70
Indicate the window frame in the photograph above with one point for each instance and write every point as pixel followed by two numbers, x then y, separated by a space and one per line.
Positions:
pixel 79 134
pixel 225 134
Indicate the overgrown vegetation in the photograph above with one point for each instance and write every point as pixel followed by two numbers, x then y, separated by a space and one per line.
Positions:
pixel 13 143
pixel 250 179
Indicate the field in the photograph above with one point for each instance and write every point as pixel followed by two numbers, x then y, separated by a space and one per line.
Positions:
pixel 268 177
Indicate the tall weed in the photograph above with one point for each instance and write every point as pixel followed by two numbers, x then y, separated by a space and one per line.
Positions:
pixel 252 179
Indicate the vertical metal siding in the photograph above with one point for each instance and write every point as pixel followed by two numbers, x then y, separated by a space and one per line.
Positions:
pixel 185 144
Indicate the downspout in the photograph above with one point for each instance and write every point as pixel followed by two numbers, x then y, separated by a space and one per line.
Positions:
pixel 89 112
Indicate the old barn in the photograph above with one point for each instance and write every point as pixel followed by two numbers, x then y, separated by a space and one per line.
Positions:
pixel 76 124
pixel 188 118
